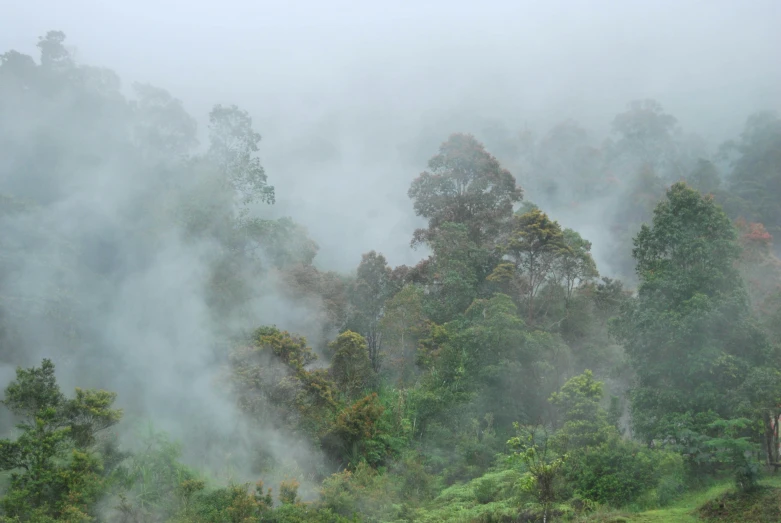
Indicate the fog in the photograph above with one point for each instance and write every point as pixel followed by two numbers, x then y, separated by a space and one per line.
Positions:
pixel 351 99
pixel 344 93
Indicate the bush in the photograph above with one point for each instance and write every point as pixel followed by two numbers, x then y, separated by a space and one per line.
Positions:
pixel 619 471
pixel 486 490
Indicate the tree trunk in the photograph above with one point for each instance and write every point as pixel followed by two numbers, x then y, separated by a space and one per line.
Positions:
pixel 771 437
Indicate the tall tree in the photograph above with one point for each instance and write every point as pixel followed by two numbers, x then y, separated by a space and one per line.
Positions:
pixel 233 144
pixel 464 184
pixel 756 170
pixel 634 208
pixel 688 334
pixel 536 244
pixel 163 126
pixel 647 137
pixel 373 285
pixel 350 366
pixel 54 55
pixel 568 164
pixel 403 325
pixel 575 265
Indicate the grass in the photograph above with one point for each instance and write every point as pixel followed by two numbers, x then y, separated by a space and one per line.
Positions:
pixel 766 505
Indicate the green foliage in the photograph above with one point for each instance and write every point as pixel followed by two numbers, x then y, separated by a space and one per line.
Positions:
pixel 691 248
pixel 585 421
pixel 733 447
pixel 486 490
pixel 688 334
pixel 350 365
pixel 372 287
pixel 356 435
pixel 533 447
pixel 616 472
pixel 272 382
pixel 89 413
pixel 535 245
pixel 53 472
pixel 464 185
pixel 455 272
pixel 575 264
pixel 402 327
pixel 288 492
pixel 495 329
pixel 365 494
pixel 757 506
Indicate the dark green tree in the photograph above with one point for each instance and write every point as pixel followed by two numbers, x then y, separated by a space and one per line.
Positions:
pixel 350 366
pixel 689 334
pixel 53 471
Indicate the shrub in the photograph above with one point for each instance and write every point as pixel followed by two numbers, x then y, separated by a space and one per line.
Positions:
pixel 486 490
pixel 615 473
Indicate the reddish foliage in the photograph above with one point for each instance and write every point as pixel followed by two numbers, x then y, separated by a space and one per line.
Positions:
pixel 753 236
pixel 757 232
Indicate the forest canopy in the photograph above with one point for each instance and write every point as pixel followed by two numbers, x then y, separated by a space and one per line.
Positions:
pixel 175 353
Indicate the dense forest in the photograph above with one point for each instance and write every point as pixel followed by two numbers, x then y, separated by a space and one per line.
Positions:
pixel 169 353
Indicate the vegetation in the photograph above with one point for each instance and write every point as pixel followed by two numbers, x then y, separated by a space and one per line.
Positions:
pixel 499 379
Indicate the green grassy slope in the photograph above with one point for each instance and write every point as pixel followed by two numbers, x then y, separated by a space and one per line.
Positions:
pixel 720 504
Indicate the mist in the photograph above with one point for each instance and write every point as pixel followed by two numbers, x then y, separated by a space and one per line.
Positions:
pixel 344 93
pixel 351 100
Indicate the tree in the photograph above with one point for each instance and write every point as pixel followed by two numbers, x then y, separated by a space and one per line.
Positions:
pixel 756 164
pixel 54 55
pixel 690 249
pixel 303 283
pixel 280 243
pixel 688 333
pixel 705 177
pixel 603 466
pixel 350 365
pixel 354 432
pixel 761 272
pixel 52 472
pixel 233 144
pixel 585 421
pixel 270 378
pixel 403 324
pixel 635 208
pixel 568 164
pixel 454 272
pixel 532 446
pixel 759 398
pixel 372 287
pixel 467 185
pixel 575 264
pixel 164 126
pixel 536 243
pixel 646 138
